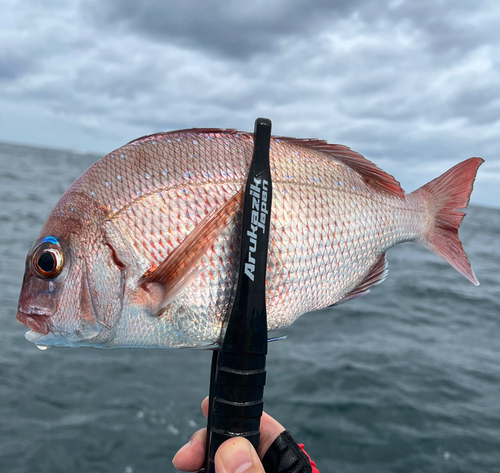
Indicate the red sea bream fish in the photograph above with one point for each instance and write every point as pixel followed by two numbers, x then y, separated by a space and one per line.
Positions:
pixel 143 249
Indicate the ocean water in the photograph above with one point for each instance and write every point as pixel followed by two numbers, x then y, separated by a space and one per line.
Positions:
pixel 405 379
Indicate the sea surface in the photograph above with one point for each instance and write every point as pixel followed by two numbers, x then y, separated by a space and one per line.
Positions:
pixel 405 379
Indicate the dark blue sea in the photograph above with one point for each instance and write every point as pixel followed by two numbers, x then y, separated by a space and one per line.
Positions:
pixel 405 379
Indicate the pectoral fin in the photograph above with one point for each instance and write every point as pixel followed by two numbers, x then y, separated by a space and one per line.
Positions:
pixel 178 270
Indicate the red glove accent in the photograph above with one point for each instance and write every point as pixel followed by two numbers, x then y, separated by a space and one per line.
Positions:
pixel 313 465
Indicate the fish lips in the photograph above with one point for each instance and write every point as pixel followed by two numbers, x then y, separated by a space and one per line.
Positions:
pixel 36 322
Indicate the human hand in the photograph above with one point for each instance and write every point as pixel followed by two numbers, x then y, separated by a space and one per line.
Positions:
pixel 236 455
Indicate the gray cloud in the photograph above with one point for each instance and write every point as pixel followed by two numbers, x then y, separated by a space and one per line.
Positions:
pixel 232 29
pixel 400 81
pixel 451 27
pixel 13 65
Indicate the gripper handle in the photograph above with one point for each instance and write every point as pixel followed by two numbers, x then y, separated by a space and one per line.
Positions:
pixel 239 368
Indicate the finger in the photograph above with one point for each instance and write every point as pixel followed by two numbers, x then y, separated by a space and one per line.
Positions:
pixel 191 457
pixel 237 455
pixel 270 429
pixel 204 407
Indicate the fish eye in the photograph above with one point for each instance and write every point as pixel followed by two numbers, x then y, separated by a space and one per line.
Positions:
pixel 48 259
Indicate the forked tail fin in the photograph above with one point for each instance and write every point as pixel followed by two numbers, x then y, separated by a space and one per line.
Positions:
pixel 446 194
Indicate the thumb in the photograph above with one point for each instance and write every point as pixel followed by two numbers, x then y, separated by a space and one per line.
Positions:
pixel 237 455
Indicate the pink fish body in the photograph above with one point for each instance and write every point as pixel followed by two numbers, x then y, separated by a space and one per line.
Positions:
pixel 143 249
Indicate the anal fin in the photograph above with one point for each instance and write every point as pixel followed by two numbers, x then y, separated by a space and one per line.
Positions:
pixel 375 276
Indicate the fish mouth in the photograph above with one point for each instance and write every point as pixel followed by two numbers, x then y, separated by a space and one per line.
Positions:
pixel 36 322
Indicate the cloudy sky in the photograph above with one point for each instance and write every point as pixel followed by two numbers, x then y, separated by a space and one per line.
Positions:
pixel 412 85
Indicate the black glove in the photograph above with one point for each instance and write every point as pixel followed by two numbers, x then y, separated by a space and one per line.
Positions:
pixel 285 456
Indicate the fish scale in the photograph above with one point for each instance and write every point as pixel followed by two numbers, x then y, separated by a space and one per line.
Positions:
pixel 305 267
pixel 334 215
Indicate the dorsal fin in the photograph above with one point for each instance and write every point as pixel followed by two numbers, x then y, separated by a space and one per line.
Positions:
pixel 173 271
pixel 370 172
pixel 161 134
pixel 376 275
